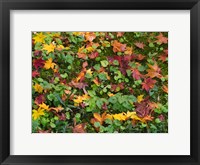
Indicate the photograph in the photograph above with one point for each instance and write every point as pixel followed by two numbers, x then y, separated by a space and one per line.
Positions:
pixel 99 82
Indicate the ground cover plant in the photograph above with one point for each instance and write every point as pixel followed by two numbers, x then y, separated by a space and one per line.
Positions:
pixel 99 82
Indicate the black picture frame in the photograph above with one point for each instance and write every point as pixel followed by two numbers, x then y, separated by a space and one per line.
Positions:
pixel 7 5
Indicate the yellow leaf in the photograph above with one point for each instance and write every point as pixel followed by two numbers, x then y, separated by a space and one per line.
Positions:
pixel 98 117
pixel 130 114
pixel 81 74
pixel 49 48
pixel 81 49
pixel 80 99
pixel 108 116
pixel 120 116
pixel 67 48
pixel 39 38
pixel 90 49
pixel 37 113
pixel 38 88
pixel 140 98
pixel 129 51
pixel 44 106
pixel 89 71
pixel 110 94
pixel 49 64
pixel 77 33
pixel 60 47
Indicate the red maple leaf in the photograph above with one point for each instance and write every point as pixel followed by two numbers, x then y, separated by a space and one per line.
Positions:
pixel 40 99
pixel 140 45
pixel 136 74
pixel 35 73
pixel 161 39
pixel 163 57
pixel 148 84
pixel 93 55
pixel 38 63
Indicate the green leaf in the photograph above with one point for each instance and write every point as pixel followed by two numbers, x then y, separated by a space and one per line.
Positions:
pixel 40 79
pixel 115 62
pixel 141 68
pixel 151 45
pixel 97 67
pixel 99 103
pixel 52 125
pixel 102 76
pixel 65 75
pixel 104 63
pixel 69 59
pixel 157 120
pixel 97 124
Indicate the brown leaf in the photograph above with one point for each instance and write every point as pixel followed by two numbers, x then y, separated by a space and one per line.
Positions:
pixel 80 128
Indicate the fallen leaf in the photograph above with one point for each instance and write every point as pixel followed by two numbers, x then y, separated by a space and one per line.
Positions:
pixel 140 45
pixel 161 39
pixel 165 88
pixel 118 47
pixel 38 63
pixel 49 48
pixel 49 64
pixel 39 37
pixel 148 84
pixel 80 128
pixel 38 88
pixel 90 36
pixel 35 73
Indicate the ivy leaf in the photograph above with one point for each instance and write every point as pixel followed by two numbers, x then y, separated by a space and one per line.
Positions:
pixel 104 63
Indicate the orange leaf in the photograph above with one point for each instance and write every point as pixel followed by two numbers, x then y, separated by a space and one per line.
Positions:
pixel 165 88
pixel 154 71
pixel 82 55
pixel 57 109
pixel 118 47
pixel 90 36
pixel 80 128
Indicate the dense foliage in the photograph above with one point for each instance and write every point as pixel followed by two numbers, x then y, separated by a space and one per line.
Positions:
pixel 107 82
